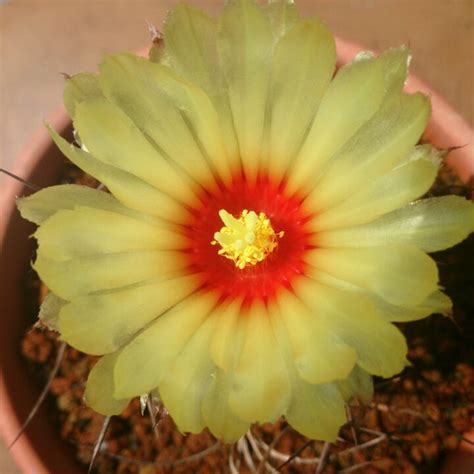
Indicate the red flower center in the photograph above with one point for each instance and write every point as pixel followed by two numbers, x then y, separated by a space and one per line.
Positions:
pixel 278 269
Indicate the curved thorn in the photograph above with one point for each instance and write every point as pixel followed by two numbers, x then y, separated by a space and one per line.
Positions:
pixel 26 183
pixel 44 392
pixel 266 456
pixel 323 457
pixel 99 442
pixel 295 454
pixel 153 411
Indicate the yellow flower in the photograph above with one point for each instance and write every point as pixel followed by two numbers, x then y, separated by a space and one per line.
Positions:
pixel 262 233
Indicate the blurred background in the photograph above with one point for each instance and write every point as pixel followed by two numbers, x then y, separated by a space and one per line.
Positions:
pixel 39 39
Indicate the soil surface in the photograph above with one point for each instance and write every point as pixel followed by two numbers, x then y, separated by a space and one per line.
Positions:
pixel 408 428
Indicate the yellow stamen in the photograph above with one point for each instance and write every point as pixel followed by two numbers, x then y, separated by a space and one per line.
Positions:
pixel 247 240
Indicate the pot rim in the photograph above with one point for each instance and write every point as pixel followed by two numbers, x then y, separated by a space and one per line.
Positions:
pixel 446 128
pixel 23 452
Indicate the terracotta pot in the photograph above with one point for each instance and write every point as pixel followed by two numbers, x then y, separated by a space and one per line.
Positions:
pixel 40 450
pixel 461 461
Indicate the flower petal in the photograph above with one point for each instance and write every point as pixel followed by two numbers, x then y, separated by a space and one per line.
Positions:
pixel 128 189
pixel 216 412
pixel 229 333
pixel 174 114
pixel 110 136
pixel 43 204
pixel 353 96
pixel 320 356
pixel 101 323
pixel 87 274
pixel 358 384
pixel 186 382
pixel 244 48
pixel 86 231
pixel 382 195
pixel 99 393
pixel 395 62
pixel 283 15
pixel 260 389
pixel 436 302
pixel 430 224
pixel 402 275
pixel 382 143
pixel 305 56
pixel 315 410
pixel 381 347
pixel 147 358
pixel 201 118
pixel 190 37
pixel 226 346
pixel 78 88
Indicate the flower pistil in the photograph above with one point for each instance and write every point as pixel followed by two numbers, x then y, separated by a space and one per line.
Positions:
pixel 247 240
